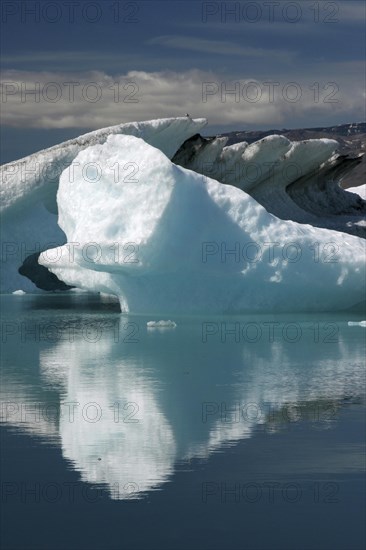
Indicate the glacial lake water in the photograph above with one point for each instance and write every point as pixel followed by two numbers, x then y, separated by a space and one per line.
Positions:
pixel 243 432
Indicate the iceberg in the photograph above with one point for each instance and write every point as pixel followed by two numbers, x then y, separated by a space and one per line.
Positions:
pixel 28 197
pixel 295 180
pixel 168 239
pixel 171 225
pixel 360 190
pixel 161 324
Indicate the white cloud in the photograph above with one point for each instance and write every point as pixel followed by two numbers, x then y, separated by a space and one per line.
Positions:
pixel 219 47
pixel 95 99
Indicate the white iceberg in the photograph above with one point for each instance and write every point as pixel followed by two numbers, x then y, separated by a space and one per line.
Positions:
pixel 268 170
pixel 166 239
pixel 28 194
pixel 161 324
pixel 295 180
pixel 360 190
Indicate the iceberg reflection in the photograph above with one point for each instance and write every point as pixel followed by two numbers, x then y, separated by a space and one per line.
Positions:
pixel 129 412
pixel 113 430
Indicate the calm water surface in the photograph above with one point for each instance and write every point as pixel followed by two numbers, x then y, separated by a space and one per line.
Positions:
pixel 221 433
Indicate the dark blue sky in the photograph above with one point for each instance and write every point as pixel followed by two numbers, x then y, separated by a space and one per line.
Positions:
pixel 287 64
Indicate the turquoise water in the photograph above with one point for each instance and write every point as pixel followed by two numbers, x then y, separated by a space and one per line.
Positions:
pixel 220 433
